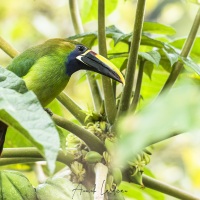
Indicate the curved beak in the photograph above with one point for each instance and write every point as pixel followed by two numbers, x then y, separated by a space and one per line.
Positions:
pixel 101 65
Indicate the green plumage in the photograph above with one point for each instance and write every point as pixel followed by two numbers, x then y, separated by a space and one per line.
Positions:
pixel 46 69
pixel 43 68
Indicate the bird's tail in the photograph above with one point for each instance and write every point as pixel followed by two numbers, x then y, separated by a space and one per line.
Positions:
pixel 3 129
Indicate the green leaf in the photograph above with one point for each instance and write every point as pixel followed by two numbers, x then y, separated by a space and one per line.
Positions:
pixel 152 56
pixel 63 141
pixel 134 192
pixel 113 32
pixel 89 10
pixel 124 65
pixel 157 28
pixel 14 185
pixel 176 112
pixel 190 63
pixel 24 113
pixel 151 87
pixel 178 43
pixel 89 40
pixel 195 53
pixel 148 68
pixel 170 54
pixel 15 139
pixel 82 35
pixel 146 40
pixel 166 65
pixel 9 80
pixel 116 34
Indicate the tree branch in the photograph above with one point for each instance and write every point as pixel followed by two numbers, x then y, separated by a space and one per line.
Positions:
pixel 78 27
pixel 167 189
pixel 76 19
pixel 138 87
pixel 110 104
pixel 7 48
pixel 91 140
pixel 132 60
pixel 97 99
pixel 30 154
pixel 68 103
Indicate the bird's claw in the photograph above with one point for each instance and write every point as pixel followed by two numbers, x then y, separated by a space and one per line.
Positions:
pixel 48 111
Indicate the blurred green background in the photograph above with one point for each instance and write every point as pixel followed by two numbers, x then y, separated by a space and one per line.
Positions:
pixel 27 23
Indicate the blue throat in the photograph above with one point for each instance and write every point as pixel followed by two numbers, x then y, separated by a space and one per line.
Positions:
pixel 72 64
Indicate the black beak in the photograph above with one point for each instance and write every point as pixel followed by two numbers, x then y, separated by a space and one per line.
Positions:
pixel 101 65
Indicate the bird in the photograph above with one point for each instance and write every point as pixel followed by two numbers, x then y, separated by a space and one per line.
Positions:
pixel 46 69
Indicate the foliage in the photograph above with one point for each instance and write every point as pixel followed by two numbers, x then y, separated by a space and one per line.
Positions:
pixel 96 151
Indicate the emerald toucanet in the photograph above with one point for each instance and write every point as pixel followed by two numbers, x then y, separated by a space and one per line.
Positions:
pixel 46 69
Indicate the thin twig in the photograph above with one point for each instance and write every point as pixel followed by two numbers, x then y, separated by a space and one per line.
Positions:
pixel 138 87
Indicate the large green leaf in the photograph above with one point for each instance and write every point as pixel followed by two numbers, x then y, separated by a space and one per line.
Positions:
pixel 10 80
pixel 23 112
pixel 176 112
pixel 15 139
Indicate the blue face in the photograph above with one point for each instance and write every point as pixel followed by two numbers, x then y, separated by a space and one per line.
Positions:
pixel 74 64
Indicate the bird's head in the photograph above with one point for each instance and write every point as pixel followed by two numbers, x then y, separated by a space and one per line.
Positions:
pixel 83 58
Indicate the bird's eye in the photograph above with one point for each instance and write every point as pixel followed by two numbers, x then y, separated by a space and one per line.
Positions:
pixel 81 48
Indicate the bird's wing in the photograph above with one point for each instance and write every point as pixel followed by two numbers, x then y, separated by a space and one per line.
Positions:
pixel 22 63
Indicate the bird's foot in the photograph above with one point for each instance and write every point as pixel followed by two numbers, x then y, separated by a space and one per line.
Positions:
pixel 49 111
